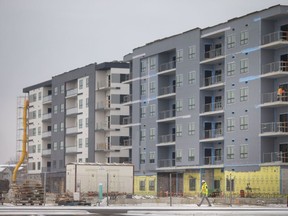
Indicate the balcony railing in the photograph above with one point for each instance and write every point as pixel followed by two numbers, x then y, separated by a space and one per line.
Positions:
pixel 46 169
pixel 271 97
pixel 167 66
pixel 167 114
pixel 275 36
pixel 167 138
pixel 127 98
pixel 103 104
pixel 213 80
pixel 214 53
pixel 103 84
pixel 127 120
pixel 213 160
pixel 166 163
pixel 279 66
pixel 214 106
pixel 214 133
pixel 102 146
pixel 102 126
pixel 47 116
pixel 71 149
pixel 275 157
pixel 46 134
pixel 71 92
pixel 47 99
pixel 72 110
pixel 127 142
pixel 71 130
pixel 167 90
pixel 46 151
pixel 274 127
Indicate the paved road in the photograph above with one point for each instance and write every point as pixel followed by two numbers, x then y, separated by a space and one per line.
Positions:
pixel 137 211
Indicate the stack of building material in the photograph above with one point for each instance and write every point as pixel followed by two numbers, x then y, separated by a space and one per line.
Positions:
pixel 29 193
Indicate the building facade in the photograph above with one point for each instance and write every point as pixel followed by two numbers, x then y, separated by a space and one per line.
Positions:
pixel 75 117
pixel 204 105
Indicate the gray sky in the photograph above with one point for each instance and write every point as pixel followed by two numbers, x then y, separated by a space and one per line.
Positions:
pixel 43 38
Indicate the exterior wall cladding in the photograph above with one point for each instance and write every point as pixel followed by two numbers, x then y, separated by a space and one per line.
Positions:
pixel 76 117
pixel 206 100
pixel 202 104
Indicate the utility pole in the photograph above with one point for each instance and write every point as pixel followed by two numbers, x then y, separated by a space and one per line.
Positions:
pixel 107 188
pixel 170 188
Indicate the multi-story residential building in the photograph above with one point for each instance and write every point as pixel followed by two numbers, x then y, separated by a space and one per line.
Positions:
pixel 75 117
pixel 204 105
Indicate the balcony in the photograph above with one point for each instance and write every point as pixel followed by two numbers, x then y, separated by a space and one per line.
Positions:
pixel 275 40
pixel 167 139
pixel 212 135
pixel 213 160
pixel 46 169
pixel 104 85
pixel 275 157
pixel 103 126
pixel 213 108
pixel 72 92
pixel 167 66
pixel 271 99
pixel 71 150
pixel 102 147
pixel 167 115
pixel 167 91
pixel 127 99
pixel 47 99
pixel 275 70
pixel 166 163
pixel 46 116
pixel 46 134
pixel 212 83
pixel 103 105
pixel 127 142
pixel 213 56
pixel 274 129
pixel 71 130
pixel 127 120
pixel 72 111
pixel 46 152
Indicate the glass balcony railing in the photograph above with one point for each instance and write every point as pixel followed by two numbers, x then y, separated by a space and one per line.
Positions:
pixel 275 157
pixel 213 53
pixel 213 160
pixel 167 90
pixel 167 66
pixel 216 106
pixel 166 163
pixel 279 66
pixel 272 97
pixel 167 114
pixel 214 133
pixel 274 37
pixel 274 127
pixel 167 138
pixel 208 81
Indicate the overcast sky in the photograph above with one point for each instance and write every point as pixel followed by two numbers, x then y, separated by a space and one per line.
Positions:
pixel 43 38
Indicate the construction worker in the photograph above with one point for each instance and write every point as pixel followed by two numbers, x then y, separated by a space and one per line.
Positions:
pixel 280 92
pixel 204 192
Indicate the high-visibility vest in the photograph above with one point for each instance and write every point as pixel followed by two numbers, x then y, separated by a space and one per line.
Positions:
pixel 205 189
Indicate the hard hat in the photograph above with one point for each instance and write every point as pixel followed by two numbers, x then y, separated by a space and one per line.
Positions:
pixel 203 181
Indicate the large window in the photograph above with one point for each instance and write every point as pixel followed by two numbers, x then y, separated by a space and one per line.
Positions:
pixel 244 66
pixel 143 112
pixel 179 80
pixel 243 151
pixel 218 154
pixel 191 154
pixel 152 62
pixel 179 105
pixel 192 184
pixel 151 185
pixel 243 122
pixel 142 185
pixel 231 40
pixel 178 130
pixel 192 77
pixel 143 89
pixel 178 155
pixel 143 65
pixel 230 96
pixel 192 52
pixel 152 109
pixel 229 184
pixel 152 87
pixel 191 103
pixel 244 94
pixel 80 143
pixel 230 68
pixel 244 37
pixel 179 55
pixel 152 133
pixel 142 134
pixel 80 84
pixel 142 157
pixel 191 128
pixel 230 124
pixel 230 152
pixel 152 157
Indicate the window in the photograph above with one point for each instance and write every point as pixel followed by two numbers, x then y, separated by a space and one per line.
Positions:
pixel 244 37
pixel 231 68
pixel 143 112
pixel 55 109
pixel 243 122
pixel 192 184
pixel 80 160
pixel 229 183
pixel 142 157
pixel 152 62
pixel 179 80
pixel 80 84
pixel 62 89
pixel 33 131
pixel 87 82
pixel 178 130
pixel 54 164
pixel 151 185
pixel 62 108
pixel 55 128
pixel 61 145
pixel 152 133
pixel 61 164
pixel 143 135
pixel 39 148
pixel 39 96
pixel 244 66
pixel 80 103
pixel 143 65
pixel 39 131
pixel 38 165
pixel 86 142
pixel 179 55
pixel 80 123
pixel 191 77
pixel 152 109
pixel 192 52
pixel 152 87
pixel 243 151
pixel 178 155
pixel 80 142
pixel 191 103
pixel 34 114
pixel 230 124
pixel 152 157
pixel 191 128
pixel 230 152
pixel 62 126
pixel 230 96
pixel 142 185
pixel 179 105
pixel 217 185
pixel 56 91
pixel 86 122
pixel 55 146
pixel 218 154
pixel 143 89
pixel 244 94
pixel 33 98
pixel 87 102
pixel 231 40
pixel 191 154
